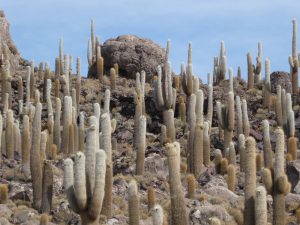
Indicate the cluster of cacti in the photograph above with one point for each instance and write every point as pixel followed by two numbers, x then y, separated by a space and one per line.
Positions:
pixel 40 131
pixel 220 65
pixel 254 71
pixel 226 115
pixel 276 182
pixel 165 98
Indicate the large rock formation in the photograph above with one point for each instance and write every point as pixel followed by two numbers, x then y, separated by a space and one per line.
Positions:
pixel 133 54
pixel 281 78
pixel 8 49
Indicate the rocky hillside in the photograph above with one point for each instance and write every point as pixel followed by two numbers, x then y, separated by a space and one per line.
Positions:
pixel 137 144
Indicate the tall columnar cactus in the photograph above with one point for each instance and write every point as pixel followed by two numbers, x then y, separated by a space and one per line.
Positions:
pixel 32 79
pixel 252 69
pixel 106 146
pixel 93 40
pixel 6 84
pixel 231 177
pixel 226 118
pixel 261 211
pixel 157 215
pixel 17 137
pixel 206 144
pixel 20 88
pixel 9 135
pixel 278 106
pixel 197 154
pixel 78 82
pixel 67 121
pixel 133 204
pixel 294 64
pixel 246 124
pixel 191 186
pixel 107 101
pixel 1 133
pixel 99 64
pixel 182 109
pixel 267 148
pixel 267 85
pixel 230 72
pixel 35 160
pixel 290 126
pixel 165 98
pixel 56 131
pixel 141 146
pixel 210 106
pixel 257 68
pixel 97 114
pixel 151 197
pixel 47 189
pixel 280 183
pixel 178 209
pixel 250 181
pixel 113 79
pixel 231 154
pixel 239 116
pixel 61 60
pixel 81 132
pixel 84 183
pixel 242 151
pixel 220 65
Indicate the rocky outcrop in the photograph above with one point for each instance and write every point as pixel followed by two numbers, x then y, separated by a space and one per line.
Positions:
pixel 281 78
pixel 133 54
pixel 8 49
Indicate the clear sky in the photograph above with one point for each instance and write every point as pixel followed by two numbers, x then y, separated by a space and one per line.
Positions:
pixel 37 25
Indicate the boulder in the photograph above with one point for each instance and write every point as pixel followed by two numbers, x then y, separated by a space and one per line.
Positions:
pixel 203 214
pixel 293 173
pixel 132 54
pixel 7 44
pixel 281 78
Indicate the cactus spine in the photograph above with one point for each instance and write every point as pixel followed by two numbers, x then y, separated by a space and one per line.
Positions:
pixel 178 209
pixel 133 204
pixel 250 180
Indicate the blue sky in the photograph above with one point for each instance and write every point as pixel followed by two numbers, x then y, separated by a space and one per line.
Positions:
pixel 37 25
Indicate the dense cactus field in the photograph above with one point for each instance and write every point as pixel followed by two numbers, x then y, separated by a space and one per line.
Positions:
pixel 160 149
